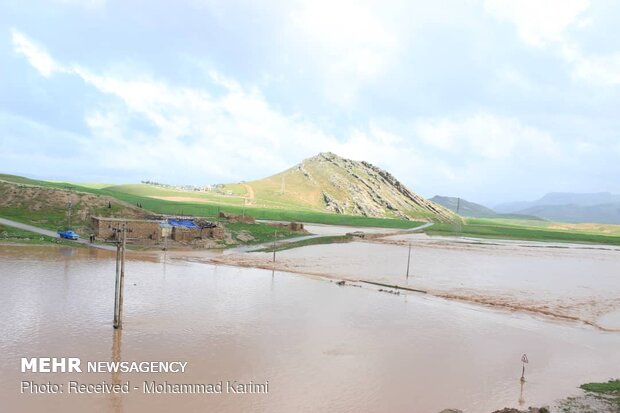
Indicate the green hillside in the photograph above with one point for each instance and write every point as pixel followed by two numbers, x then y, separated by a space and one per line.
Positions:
pixel 329 183
pixel 313 190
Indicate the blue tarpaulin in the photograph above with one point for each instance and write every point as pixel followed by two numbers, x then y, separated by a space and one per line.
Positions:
pixel 186 223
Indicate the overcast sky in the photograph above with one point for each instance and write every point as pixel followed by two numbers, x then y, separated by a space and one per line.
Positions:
pixel 490 100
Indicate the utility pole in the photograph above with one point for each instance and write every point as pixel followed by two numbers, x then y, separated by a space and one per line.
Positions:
pixel 275 235
pixel 458 205
pixel 120 276
pixel 408 260
pixel 69 207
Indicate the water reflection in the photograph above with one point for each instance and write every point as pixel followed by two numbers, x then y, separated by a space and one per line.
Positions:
pixel 521 400
pixel 355 348
pixel 117 341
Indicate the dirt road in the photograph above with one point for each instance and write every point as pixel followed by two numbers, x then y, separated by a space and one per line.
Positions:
pixel 49 233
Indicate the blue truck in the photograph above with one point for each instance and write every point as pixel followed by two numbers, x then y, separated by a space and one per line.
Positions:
pixel 68 234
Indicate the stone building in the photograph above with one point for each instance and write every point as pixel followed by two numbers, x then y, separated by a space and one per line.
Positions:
pixel 154 231
pixel 137 229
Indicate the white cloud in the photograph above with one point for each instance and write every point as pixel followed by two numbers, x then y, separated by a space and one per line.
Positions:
pixel 85 4
pixel 38 58
pixel 347 40
pixel 484 135
pixel 548 24
pixel 539 22
pixel 599 70
pixel 199 136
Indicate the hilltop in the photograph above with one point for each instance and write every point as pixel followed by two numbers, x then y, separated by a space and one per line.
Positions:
pixel 329 183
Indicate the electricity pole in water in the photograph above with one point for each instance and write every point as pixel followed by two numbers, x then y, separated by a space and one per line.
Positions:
pixel 275 236
pixel 120 276
pixel 408 260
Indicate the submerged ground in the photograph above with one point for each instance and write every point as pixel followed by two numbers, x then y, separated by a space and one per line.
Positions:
pixel 323 346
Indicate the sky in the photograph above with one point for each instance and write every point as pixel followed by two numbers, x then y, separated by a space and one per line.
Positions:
pixel 489 100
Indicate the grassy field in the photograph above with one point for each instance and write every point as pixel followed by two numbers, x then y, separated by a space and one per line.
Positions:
pixel 137 194
pixel 330 239
pixel 499 228
pixel 20 236
pixel 609 392
pixel 530 230
pixel 261 232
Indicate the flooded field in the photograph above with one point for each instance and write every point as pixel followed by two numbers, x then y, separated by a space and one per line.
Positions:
pixel 572 282
pixel 320 346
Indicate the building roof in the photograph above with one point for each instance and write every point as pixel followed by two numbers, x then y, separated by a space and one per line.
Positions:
pixel 185 223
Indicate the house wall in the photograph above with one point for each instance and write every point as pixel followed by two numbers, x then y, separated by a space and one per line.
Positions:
pixel 137 229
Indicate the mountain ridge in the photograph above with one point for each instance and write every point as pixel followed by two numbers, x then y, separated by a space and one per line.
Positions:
pixel 471 209
pixel 594 207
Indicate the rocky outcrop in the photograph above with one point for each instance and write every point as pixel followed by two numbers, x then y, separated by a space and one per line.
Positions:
pixel 331 204
pixel 360 188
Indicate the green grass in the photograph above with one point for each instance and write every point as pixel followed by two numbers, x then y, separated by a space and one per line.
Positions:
pixel 519 230
pixel 608 392
pixel 330 239
pixel 500 228
pixel 612 386
pixel 213 209
pixel 261 232
pixel 20 236
pixel 51 218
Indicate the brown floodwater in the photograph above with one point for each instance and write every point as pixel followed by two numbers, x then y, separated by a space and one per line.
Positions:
pixel 322 347
pixel 570 281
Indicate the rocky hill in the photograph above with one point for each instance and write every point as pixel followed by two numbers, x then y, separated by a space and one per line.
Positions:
pixel 327 182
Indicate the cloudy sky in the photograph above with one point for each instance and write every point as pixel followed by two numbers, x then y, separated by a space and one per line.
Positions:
pixel 490 100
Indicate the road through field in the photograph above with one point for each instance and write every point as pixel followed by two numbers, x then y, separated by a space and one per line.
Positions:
pixel 49 233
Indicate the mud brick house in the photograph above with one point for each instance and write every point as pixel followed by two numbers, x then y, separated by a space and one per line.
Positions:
pixel 138 229
pixel 188 230
pixel 154 231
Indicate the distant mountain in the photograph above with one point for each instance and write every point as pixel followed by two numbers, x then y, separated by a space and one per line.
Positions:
pixel 465 208
pixel 603 214
pixel 561 198
pixel 599 207
pixel 326 182
pixel 471 209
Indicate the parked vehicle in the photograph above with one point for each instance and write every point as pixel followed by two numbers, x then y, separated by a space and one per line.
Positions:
pixel 68 234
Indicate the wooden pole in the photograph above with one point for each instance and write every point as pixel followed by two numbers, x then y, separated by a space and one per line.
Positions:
pixel 122 288
pixel 408 260
pixel 120 278
pixel 275 236
pixel 118 282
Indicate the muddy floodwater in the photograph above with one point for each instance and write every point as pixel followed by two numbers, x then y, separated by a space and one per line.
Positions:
pixel 321 347
pixel 572 282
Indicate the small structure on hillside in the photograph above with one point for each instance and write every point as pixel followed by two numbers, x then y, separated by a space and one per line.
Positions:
pixel 237 218
pixel 155 230
pixel 293 226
